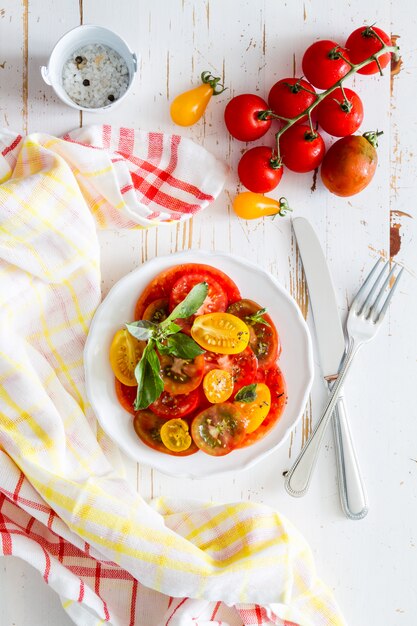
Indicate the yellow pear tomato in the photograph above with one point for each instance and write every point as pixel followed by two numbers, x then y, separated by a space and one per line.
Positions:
pixel 251 206
pixel 188 107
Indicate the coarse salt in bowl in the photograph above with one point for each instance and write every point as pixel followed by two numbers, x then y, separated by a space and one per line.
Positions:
pixel 91 68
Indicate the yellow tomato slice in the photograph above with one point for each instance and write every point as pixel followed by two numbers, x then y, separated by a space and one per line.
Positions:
pixel 175 435
pixel 125 353
pixel 218 385
pixel 255 412
pixel 222 333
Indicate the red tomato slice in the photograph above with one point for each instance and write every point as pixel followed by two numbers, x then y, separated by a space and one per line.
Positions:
pixel 147 426
pixel 219 429
pixel 161 285
pixel 172 407
pixel 156 311
pixel 274 379
pixel 216 299
pixel 181 376
pixel 264 339
pixel 125 395
pixel 242 366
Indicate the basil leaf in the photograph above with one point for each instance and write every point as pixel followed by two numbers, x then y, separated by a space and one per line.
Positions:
pixel 183 346
pixel 247 393
pixel 148 377
pixel 257 318
pixel 191 303
pixel 142 330
pixel 171 329
pixel 162 347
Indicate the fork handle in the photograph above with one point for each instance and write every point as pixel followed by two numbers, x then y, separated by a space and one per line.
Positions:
pixel 351 488
pixel 298 478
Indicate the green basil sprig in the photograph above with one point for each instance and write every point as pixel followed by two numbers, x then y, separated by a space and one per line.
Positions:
pixel 167 339
pixel 257 318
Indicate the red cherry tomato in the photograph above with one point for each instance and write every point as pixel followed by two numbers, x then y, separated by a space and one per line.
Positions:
pixel 219 429
pixel 291 96
pixel 125 395
pixel 274 380
pixel 243 366
pixel 161 285
pixel 363 43
pixel 350 164
pixel 148 426
pixel 340 116
pixel 322 64
pixel 301 150
pixel 259 170
pixel 171 407
pixel 263 340
pixel 241 116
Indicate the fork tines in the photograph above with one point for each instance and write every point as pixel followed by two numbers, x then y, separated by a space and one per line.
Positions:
pixel 368 304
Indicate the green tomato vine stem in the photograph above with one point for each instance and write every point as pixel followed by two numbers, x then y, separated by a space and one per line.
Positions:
pixel 354 68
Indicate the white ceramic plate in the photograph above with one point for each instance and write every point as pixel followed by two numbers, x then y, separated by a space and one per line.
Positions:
pixel 117 308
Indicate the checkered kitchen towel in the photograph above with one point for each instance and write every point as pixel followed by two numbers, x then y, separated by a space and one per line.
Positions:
pixel 64 506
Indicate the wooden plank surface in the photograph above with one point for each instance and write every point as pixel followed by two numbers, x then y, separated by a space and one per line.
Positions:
pixel 251 45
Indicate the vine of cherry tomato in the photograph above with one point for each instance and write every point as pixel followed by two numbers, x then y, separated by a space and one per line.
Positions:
pixel 300 108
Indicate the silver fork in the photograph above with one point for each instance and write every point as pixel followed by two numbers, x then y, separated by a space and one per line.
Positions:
pixel 364 320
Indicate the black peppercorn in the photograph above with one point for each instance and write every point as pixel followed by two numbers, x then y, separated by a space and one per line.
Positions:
pixel 111 97
pixel 86 82
pixel 78 60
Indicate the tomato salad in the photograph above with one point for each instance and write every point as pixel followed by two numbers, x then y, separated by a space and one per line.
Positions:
pixel 198 368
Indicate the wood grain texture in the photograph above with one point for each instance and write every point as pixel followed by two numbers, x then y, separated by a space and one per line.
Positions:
pixel 251 45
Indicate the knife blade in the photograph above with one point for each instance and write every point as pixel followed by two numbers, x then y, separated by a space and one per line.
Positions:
pixel 331 347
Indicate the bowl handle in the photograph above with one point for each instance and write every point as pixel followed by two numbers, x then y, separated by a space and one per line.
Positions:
pixel 45 75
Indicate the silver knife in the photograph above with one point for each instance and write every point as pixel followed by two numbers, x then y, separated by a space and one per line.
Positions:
pixel 331 344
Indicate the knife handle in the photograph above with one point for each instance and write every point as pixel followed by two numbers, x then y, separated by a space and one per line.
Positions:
pixel 351 488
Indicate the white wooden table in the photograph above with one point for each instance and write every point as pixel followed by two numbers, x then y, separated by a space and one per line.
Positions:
pixel 371 564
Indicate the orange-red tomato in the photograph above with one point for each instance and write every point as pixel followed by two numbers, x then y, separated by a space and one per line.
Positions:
pixel 349 165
